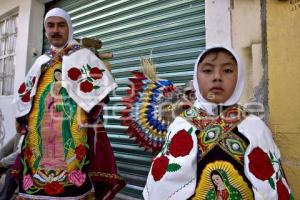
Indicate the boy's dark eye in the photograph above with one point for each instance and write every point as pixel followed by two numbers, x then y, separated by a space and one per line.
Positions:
pixel 206 71
pixel 228 70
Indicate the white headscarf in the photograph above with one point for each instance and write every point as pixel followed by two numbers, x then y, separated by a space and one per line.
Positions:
pixel 235 97
pixel 58 12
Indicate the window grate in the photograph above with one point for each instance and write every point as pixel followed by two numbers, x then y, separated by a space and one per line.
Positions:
pixel 8 37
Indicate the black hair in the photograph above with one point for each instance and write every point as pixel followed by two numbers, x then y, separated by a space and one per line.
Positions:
pixel 215 172
pixel 216 51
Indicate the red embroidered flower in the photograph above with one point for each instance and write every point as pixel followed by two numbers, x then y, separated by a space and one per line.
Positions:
pixel 28 153
pixel 26 97
pixel 96 73
pixel 22 88
pixel 282 191
pixel 86 86
pixel 260 164
pixel 80 151
pixel 159 167
pixel 54 188
pixel 181 144
pixel 74 74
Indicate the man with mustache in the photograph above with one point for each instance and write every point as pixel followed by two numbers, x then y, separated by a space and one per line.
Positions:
pixel 65 150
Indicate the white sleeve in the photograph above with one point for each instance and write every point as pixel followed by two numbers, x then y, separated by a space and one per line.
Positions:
pixel 262 161
pixel 173 170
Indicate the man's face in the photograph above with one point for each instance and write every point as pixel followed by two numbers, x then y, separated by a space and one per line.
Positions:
pixel 217 76
pixel 57 31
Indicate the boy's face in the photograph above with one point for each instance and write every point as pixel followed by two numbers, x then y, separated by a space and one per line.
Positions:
pixel 57 31
pixel 217 76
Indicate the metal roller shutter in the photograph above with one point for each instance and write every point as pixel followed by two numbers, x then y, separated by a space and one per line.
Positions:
pixel 172 31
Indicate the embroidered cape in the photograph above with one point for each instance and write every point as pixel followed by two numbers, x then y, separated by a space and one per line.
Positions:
pixel 184 168
pixel 65 145
pixel 84 77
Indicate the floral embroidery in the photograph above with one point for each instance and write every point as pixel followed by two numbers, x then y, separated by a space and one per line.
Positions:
pixel 76 177
pixel 159 167
pixel 54 188
pixel 86 86
pixel 283 193
pixel 74 74
pixel 260 165
pixel 25 89
pixel 86 77
pixel 96 73
pixel 80 151
pixel 27 182
pixel 181 145
pixel 26 97
pixel 22 88
pixel 28 153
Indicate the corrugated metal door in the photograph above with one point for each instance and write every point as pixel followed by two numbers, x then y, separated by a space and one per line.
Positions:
pixel 172 31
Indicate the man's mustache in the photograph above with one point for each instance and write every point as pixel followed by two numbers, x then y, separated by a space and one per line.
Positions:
pixel 56 35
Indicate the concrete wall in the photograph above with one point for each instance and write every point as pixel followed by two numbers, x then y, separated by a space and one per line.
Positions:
pixel 283 46
pixel 29 40
pixel 217 22
pixel 238 24
pixel 266 36
pixel 247 40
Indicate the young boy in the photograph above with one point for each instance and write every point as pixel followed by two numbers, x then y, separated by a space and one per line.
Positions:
pixel 217 135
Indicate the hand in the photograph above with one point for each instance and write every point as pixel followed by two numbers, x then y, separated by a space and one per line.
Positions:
pixel 1 165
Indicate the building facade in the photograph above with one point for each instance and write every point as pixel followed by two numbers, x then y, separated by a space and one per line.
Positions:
pixel 173 33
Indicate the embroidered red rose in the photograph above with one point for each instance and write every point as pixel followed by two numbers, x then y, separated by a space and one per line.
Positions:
pixel 26 97
pixel 282 191
pixel 96 73
pixel 74 74
pixel 54 188
pixel 80 151
pixel 86 86
pixel 181 144
pixel 260 164
pixel 28 153
pixel 22 88
pixel 159 167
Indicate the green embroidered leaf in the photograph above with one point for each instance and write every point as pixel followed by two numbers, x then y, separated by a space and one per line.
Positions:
pixel 271 155
pixel 78 165
pixel 95 87
pixel 90 79
pixel 84 139
pixel 81 70
pixel 24 166
pixel 88 66
pixel 173 167
pixel 102 70
pixel 87 146
pixel 292 196
pixel 190 130
pixel 59 108
pixel 25 143
pixel 33 190
pixel 271 182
